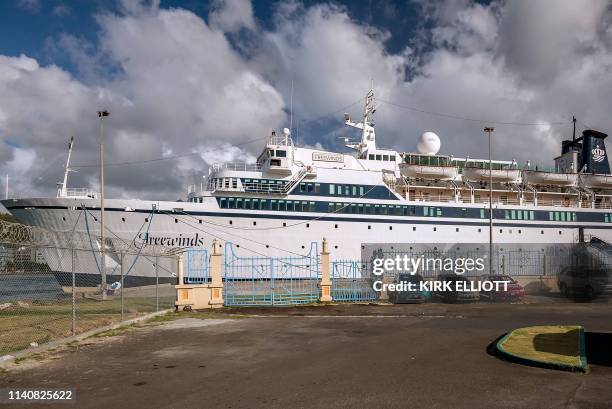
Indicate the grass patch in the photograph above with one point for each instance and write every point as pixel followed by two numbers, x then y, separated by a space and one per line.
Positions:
pixel 557 345
pixel 42 322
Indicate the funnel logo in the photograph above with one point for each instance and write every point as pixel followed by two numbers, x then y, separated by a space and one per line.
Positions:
pixel 598 154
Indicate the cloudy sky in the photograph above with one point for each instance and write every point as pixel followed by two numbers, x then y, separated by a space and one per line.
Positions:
pixel 196 82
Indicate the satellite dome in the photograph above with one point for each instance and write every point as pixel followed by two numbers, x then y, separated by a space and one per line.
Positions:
pixel 286 131
pixel 429 143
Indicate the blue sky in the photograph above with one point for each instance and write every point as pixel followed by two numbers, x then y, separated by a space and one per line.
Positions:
pixel 31 27
pixel 206 78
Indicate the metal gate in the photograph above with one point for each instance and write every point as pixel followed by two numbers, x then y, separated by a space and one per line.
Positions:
pixel 351 281
pixel 260 280
pixel 520 262
pixel 196 267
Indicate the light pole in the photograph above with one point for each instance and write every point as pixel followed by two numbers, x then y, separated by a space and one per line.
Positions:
pixel 101 115
pixel 488 130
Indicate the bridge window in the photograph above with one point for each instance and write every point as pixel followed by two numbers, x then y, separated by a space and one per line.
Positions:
pixel 281 154
pixel 371 157
pixel 317 188
pixel 385 157
pixel 378 157
pixel 331 189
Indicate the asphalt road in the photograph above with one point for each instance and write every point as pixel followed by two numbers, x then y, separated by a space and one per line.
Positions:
pixel 428 356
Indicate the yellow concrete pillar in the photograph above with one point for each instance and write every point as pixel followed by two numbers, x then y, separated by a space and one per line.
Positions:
pixel 325 274
pixel 216 276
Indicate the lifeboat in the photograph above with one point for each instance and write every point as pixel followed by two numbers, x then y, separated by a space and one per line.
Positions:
pixel 498 175
pixel 597 181
pixel 535 177
pixel 428 171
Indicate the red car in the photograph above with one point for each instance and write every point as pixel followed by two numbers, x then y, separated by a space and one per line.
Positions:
pixel 513 291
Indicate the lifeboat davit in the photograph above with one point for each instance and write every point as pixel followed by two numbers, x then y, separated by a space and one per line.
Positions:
pixel 474 174
pixel 428 171
pixel 535 177
pixel 597 181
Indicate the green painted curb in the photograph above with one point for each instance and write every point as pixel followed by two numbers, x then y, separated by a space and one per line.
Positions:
pixel 583 367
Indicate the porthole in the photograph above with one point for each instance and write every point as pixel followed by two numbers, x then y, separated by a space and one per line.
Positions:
pixel 237 245
pixel 146 220
pixel 123 219
pixel 435 229
pixel 559 231
pixel 230 222
pixel 541 231
pixel 175 220
pixel 63 218
pixel 520 231
pixel 390 227
pixel 369 227
pixel 501 230
pixel 254 223
pixel 303 246
pixel 200 221
pixel 457 229
pixel 335 247
pixel 335 226
pixel 267 246
pixel 284 224
pixel 413 228
pixel 307 225
pixel 479 230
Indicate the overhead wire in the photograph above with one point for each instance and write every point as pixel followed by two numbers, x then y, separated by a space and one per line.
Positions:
pixel 462 118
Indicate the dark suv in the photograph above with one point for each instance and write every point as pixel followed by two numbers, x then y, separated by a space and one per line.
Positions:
pixel 585 282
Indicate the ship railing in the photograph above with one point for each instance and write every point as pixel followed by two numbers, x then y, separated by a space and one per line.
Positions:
pixel 237 166
pixel 80 193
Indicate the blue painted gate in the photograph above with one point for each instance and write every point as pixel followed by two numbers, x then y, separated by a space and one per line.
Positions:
pixel 352 281
pixel 197 267
pixel 259 280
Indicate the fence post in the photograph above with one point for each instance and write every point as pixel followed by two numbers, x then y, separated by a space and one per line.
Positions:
pixel 156 283
pixel 544 263
pixel 122 261
pixel 181 274
pixel 216 278
pixel 325 274
pixel 73 292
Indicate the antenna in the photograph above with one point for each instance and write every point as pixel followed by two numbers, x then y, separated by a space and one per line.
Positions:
pixel 291 108
pixel 63 192
pixel 574 121
pixel 6 188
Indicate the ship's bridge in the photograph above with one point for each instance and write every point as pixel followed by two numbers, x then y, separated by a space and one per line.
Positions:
pixel 277 156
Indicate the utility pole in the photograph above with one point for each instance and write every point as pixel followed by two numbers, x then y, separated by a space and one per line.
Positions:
pixel 488 130
pixel 101 115
pixel 6 188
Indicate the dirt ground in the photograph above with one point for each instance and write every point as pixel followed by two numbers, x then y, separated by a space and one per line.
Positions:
pixel 339 356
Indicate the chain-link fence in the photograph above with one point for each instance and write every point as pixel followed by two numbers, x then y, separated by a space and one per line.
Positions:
pixel 51 284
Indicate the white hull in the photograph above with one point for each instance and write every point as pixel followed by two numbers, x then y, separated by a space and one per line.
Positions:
pixel 280 234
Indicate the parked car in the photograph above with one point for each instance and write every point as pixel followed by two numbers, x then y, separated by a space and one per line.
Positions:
pixel 585 282
pixel 454 295
pixel 512 292
pixel 407 296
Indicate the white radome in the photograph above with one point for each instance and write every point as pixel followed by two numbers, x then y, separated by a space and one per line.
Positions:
pixel 429 143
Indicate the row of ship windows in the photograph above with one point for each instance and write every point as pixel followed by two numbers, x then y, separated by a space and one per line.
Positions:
pixel 562 216
pixel 381 157
pixel 608 218
pixel 346 190
pixel 266 204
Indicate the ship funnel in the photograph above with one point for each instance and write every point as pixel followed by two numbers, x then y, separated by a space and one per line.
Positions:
pixel 594 156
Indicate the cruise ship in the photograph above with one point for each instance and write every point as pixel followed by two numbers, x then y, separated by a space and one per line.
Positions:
pixel 293 196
